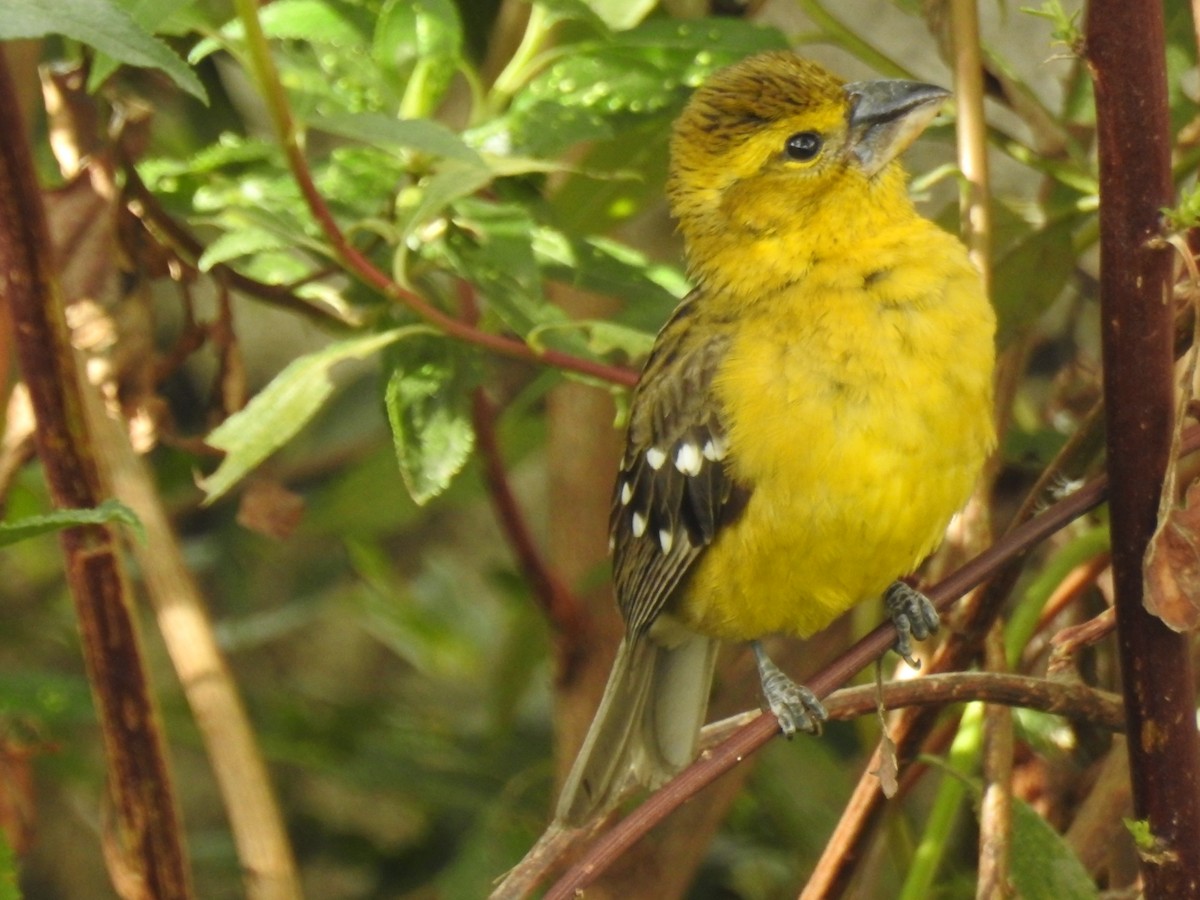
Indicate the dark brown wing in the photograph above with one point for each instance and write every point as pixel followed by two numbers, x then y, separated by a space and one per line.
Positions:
pixel 673 492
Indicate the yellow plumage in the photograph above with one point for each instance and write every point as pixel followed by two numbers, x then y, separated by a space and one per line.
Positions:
pixel 811 417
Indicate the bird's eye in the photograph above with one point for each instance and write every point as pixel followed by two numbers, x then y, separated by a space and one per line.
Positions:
pixel 803 146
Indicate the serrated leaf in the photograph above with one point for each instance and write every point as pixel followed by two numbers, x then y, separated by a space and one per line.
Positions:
pixel 428 407
pixel 1043 865
pixel 646 71
pixel 285 406
pixel 103 25
pixel 383 131
pixel 109 511
pixel 312 21
pixel 150 15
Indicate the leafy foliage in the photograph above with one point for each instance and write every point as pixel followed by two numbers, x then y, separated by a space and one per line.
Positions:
pixel 484 177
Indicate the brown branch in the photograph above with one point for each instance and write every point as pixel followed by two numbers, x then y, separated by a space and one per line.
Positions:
pixel 1075 702
pixel 148 859
pixel 259 834
pixel 748 739
pixel 848 842
pixel 142 203
pixel 1125 53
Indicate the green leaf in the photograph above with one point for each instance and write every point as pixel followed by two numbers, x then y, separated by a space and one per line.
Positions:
pixel 1043 865
pixel 235 244
pixel 413 134
pixel 311 21
pixel 1030 274
pixel 284 406
pixel 609 84
pixel 413 29
pixel 418 206
pixel 650 289
pixel 621 15
pixel 429 409
pixel 31 526
pixel 103 25
pixel 150 15
pixel 490 247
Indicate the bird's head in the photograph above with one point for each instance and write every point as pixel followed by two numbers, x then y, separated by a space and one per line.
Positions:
pixel 767 143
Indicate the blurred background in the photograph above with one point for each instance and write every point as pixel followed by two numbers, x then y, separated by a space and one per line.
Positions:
pixel 406 571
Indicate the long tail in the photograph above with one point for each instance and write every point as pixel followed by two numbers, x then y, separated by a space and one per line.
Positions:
pixel 646 727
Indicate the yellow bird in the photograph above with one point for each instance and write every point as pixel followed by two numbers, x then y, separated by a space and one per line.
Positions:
pixel 811 416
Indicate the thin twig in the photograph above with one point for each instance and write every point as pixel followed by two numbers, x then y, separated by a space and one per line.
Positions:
pixel 1075 702
pixel 142 203
pixel 995 811
pixel 744 742
pixel 353 259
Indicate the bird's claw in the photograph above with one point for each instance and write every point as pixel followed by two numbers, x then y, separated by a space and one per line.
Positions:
pixel 914 616
pixel 795 706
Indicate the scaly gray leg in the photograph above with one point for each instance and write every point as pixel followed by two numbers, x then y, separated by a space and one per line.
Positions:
pixel 795 706
pixel 914 617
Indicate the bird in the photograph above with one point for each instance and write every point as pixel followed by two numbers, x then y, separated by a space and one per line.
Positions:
pixel 810 418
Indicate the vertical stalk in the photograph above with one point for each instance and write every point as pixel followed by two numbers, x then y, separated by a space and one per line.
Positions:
pixel 1125 51
pixel 145 849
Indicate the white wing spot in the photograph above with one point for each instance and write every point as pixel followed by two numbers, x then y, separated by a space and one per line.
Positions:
pixel 626 492
pixel 639 524
pixel 688 459
pixel 714 449
pixel 665 540
pixel 655 458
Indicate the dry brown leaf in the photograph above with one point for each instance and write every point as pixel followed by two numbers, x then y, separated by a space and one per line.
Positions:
pixel 1172 566
pixel 270 509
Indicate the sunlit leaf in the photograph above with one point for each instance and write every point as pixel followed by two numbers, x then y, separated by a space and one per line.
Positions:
pixel 103 25
pixel 235 244
pixel 410 29
pixel 313 21
pixel 490 247
pixel 284 406
pixel 605 86
pixel 379 130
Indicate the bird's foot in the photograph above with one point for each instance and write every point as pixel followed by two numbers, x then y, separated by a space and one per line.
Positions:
pixel 913 615
pixel 795 706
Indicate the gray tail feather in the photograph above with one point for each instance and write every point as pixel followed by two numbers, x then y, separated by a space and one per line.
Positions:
pixel 646 727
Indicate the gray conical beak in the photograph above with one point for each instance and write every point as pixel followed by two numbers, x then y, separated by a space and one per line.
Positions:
pixel 886 116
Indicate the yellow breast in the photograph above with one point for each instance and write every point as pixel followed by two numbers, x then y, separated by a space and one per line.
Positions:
pixel 858 401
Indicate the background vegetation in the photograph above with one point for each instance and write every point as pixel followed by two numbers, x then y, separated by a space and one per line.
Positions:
pixel 363 284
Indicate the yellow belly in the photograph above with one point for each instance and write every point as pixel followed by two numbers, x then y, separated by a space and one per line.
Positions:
pixel 861 423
